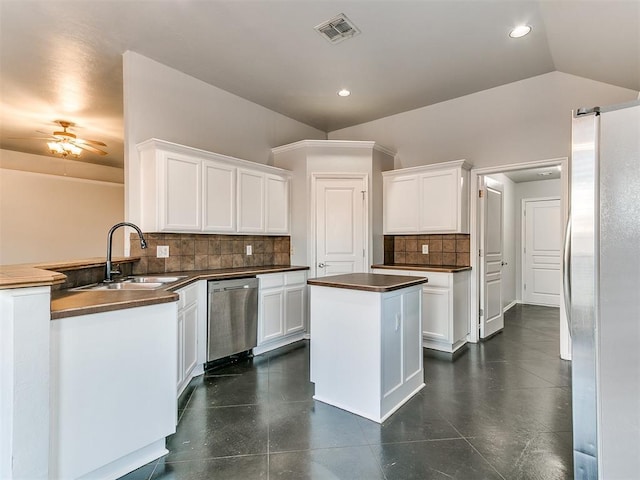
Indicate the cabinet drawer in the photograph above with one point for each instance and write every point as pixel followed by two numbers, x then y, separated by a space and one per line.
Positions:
pixel 188 295
pixel 293 278
pixel 438 279
pixel 271 280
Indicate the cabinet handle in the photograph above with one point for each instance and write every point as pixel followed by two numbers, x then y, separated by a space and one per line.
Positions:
pixel 321 265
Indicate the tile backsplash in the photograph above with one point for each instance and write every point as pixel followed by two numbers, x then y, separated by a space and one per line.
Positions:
pixel 450 250
pixel 189 252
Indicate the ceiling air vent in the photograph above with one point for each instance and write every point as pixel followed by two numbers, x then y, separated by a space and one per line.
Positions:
pixel 337 29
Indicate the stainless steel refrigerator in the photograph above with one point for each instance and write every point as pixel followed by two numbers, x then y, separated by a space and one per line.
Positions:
pixel 602 261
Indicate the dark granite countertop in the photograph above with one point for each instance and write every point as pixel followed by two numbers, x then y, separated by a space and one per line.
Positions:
pixel 370 282
pixel 71 303
pixel 422 268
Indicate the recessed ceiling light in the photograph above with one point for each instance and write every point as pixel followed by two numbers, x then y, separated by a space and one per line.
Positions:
pixel 520 31
pixel 544 174
pixel 344 92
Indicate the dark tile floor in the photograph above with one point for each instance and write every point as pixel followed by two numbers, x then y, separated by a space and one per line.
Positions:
pixel 500 410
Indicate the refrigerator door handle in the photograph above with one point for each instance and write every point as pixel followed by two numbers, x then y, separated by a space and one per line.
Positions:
pixel 566 283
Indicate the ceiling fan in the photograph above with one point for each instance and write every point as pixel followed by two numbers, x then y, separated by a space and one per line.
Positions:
pixel 66 143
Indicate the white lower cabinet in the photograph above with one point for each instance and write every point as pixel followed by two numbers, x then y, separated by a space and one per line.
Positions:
pixel 282 309
pixel 189 337
pixel 445 308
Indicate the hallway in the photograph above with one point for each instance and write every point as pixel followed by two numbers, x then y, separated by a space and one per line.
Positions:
pixel 500 410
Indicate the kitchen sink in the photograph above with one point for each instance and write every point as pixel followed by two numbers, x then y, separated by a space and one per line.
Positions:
pixel 120 286
pixel 153 279
pixel 136 282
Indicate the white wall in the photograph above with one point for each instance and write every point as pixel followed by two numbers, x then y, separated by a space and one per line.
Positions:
pixel 529 120
pixel 540 189
pixel 49 217
pixel 510 232
pixel 167 104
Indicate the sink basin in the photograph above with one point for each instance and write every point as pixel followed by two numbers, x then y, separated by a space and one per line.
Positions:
pixel 122 286
pixel 153 279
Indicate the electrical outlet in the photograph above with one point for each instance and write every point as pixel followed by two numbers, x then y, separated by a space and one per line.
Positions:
pixel 162 251
pixel 425 249
pixel 249 250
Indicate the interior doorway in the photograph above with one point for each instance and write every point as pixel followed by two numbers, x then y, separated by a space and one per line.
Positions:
pixel 522 178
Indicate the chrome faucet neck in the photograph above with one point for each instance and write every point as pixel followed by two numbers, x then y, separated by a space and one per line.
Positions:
pixel 143 244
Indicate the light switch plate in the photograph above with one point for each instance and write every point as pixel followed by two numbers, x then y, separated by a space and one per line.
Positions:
pixel 162 251
pixel 249 250
pixel 425 249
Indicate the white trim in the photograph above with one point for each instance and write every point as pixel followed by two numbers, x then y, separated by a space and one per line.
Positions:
pixel 67 178
pixel 474 304
pixel 523 242
pixel 510 306
pixel 333 144
pixel 312 215
pixel 433 166
pixel 176 148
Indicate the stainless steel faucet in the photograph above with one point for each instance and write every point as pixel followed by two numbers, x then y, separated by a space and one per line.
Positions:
pixel 143 244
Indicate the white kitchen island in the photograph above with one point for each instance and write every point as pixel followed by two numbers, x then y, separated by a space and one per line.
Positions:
pixel 366 341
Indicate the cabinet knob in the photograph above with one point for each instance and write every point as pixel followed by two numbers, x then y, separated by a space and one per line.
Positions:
pixel 321 265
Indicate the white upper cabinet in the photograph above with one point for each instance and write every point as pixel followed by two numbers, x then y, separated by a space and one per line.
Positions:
pixel 251 201
pixel 429 199
pixel 219 202
pixel 183 189
pixel 179 201
pixel 276 204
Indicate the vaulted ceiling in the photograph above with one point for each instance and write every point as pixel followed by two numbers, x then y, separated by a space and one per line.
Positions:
pixel 63 59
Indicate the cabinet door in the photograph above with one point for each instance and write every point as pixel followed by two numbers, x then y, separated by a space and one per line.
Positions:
pixel 180 356
pixel 250 201
pixel 436 314
pixel 401 204
pixel 180 198
pixel 439 198
pixel 219 197
pixel 190 339
pixel 412 335
pixel 271 315
pixel 294 301
pixel 391 332
pixel 277 204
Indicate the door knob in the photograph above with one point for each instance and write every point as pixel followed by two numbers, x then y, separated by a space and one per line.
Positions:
pixel 321 265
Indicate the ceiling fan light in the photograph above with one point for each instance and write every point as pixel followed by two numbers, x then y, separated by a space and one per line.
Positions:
pixel 55 147
pixel 75 151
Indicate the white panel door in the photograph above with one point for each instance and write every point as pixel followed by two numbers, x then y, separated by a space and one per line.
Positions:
pixel 271 315
pixel 491 233
pixel 340 226
pixel 542 243
pixel 219 189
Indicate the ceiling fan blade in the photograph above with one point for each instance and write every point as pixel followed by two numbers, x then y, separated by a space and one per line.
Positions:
pixel 34 138
pixel 92 142
pixel 90 148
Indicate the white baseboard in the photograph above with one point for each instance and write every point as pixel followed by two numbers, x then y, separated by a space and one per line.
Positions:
pixel 510 306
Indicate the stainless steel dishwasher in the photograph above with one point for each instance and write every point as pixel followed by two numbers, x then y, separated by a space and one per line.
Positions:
pixel 232 323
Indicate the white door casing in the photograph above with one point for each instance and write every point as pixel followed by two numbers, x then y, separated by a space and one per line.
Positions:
pixel 491 234
pixel 541 255
pixel 340 225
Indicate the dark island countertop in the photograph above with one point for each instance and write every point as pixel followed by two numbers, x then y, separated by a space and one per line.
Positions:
pixel 422 268
pixel 370 282
pixel 71 303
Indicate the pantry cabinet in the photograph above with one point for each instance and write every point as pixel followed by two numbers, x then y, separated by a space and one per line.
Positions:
pixel 282 309
pixel 445 307
pixel 427 199
pixel 184 189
